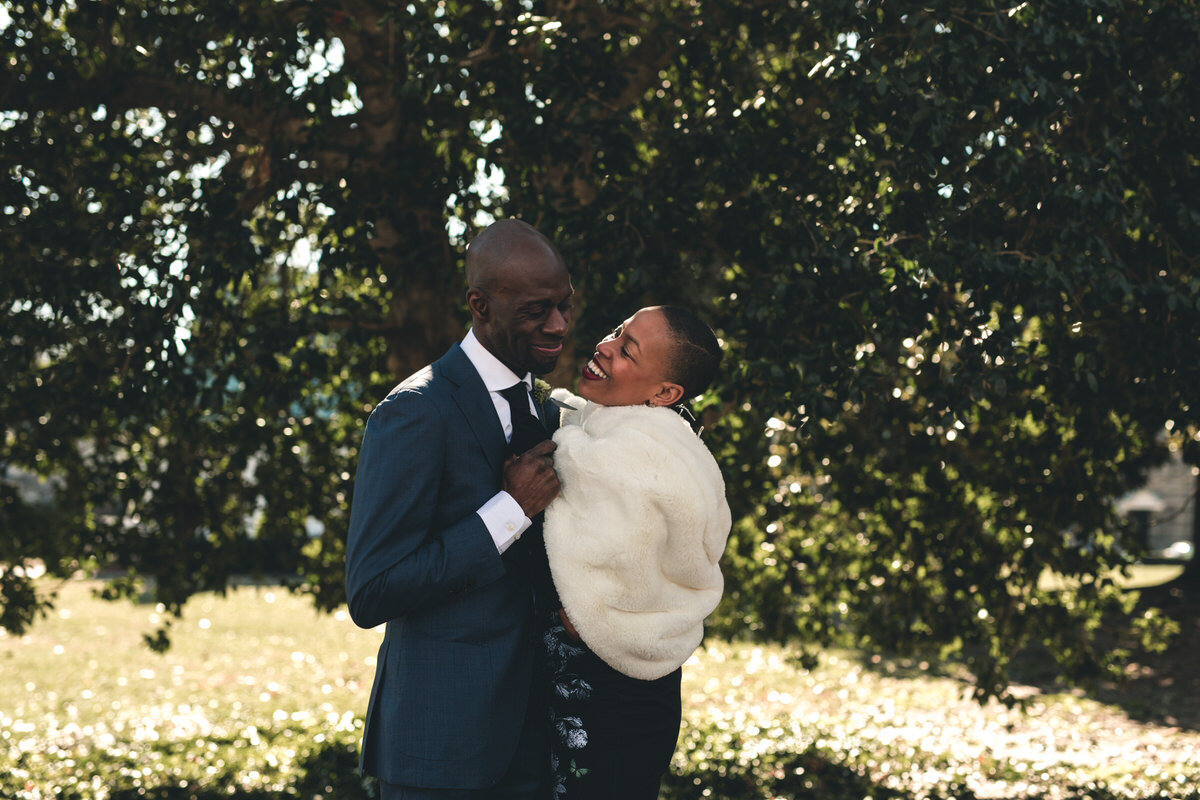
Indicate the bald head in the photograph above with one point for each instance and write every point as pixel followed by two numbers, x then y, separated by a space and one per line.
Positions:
pixel 503 246
pixel 519 294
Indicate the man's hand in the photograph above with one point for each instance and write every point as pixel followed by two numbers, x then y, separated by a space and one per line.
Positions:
pixel 530 478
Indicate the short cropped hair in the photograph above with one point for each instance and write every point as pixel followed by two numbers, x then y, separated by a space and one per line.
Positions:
pixel 695 353
pixel 498 247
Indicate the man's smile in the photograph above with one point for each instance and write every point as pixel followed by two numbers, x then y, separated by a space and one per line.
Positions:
pixel 549 349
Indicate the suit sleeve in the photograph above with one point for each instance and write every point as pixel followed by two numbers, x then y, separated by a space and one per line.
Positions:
pixel 396 562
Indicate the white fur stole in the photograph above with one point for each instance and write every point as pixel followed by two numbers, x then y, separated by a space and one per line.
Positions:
pixel 635 535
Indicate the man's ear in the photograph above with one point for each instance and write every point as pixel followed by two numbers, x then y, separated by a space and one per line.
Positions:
pixel 477 301
pixel 668 394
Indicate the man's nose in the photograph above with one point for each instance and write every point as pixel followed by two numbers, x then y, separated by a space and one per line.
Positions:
pixel 556 323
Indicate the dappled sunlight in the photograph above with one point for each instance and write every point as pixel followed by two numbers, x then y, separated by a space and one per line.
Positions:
pixel 747 706
pixel 254 684
pixel 250 699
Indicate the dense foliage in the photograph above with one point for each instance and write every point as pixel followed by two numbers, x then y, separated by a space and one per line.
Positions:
pixel 950 248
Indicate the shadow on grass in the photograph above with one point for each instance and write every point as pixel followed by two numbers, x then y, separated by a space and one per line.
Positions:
pixel 894 665
pixel 1164 688
pixel 814 775
pixel 329 772
pixel 794 776
pixel 1159 688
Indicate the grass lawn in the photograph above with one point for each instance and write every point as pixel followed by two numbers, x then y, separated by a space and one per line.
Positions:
pixel 1141 576
pixel 261 697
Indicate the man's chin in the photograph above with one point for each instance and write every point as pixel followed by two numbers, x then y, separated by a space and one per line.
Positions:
pixel 544 366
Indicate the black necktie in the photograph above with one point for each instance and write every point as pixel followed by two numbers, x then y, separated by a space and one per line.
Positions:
pixel 528 554
pixel 527 430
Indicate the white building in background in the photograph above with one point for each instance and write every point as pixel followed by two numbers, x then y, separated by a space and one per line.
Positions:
pixel 1167 505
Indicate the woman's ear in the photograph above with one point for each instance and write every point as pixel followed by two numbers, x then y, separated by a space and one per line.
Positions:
pixel 668 394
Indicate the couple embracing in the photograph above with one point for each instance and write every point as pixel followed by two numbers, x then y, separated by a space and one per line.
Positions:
pixel 543 565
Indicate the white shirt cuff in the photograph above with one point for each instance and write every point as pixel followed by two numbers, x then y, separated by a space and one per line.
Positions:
pixel 504 519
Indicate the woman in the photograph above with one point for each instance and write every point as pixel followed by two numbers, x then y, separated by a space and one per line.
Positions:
pixel 633 541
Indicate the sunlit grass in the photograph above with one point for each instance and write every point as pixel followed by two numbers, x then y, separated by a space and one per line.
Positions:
pixel 915 731
pixel 1141 576
pixel 257 681
pixel 258 652
pixel 253 683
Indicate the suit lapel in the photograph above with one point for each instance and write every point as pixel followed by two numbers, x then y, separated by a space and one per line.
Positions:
pixel 473 400
pixel 549 414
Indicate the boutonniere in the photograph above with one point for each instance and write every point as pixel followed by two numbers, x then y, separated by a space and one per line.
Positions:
pixel 541 391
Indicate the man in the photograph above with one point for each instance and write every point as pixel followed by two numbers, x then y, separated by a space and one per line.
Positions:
pixel 440 540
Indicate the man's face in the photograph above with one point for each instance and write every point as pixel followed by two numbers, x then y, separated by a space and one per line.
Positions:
pixel 529 311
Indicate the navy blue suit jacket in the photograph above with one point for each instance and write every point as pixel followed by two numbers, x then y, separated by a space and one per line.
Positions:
pixel 453 675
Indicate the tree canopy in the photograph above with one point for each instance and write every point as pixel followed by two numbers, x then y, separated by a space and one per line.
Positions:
pixel 950 249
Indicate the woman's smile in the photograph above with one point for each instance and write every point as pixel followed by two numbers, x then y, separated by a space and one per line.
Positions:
pixel 593 372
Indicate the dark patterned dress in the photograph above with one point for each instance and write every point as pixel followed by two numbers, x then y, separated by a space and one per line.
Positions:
pixel 612 736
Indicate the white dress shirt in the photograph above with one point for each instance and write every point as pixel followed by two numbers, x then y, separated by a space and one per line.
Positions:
pixel 503 516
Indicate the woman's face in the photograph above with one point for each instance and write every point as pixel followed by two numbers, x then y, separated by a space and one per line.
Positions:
pixel 629 366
